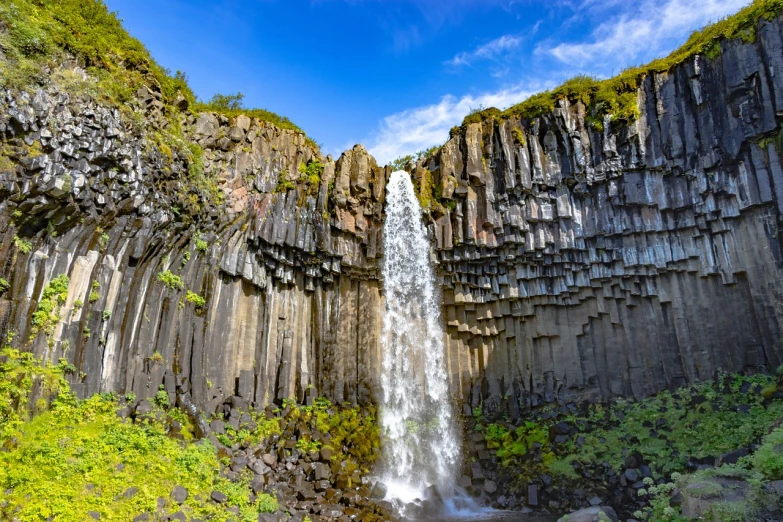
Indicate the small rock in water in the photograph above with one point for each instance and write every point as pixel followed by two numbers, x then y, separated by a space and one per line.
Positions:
pixel 379 491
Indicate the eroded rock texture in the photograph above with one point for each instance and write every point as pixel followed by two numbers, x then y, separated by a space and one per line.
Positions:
pixel 581 263
pixel 575 262
pixel 290 280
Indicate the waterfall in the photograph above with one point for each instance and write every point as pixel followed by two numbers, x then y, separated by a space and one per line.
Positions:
pixel 421 446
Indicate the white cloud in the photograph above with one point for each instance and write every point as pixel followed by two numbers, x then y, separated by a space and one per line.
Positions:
pixel 488 51
pixel 422 127
pixel 650 28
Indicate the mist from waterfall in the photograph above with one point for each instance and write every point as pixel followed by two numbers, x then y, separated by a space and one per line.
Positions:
pixel 421 441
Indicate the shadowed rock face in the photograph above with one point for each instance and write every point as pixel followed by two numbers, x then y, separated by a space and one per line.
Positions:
pixel 576 263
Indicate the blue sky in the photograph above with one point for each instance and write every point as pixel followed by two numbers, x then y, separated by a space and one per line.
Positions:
pixel 396 75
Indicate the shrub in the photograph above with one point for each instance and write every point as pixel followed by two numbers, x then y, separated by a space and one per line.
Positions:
pixel 768 459
pixel 195 299
pixel 172 281
pixel 47 312
pixel 23 245
pixel 106 314
pixel 312 171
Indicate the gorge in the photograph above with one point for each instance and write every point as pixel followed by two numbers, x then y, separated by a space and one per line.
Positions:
pixel 563 255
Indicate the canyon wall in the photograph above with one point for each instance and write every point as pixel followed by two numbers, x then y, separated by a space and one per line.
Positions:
pixel 587 263
pixel 290 279
pixel 575 263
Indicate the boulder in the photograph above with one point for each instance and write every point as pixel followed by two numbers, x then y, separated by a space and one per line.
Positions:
pixel 591 514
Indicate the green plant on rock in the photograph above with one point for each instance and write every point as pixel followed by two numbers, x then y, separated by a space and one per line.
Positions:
pixel 196 299
pixel 156 357
pixel 161 398
pixel 47 312
pixel 23 245
pixel 4 285
pixel 106 314
pixel 283 183
pixel 312 171
pixel 172 281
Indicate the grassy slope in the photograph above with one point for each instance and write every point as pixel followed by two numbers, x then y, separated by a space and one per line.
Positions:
pixel 40 32
pixel 617 96
pixel 79 456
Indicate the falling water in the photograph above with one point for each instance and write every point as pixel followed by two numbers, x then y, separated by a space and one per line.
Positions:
pixel 421 440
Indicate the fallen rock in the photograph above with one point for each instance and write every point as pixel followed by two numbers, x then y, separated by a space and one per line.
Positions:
pixel 591 514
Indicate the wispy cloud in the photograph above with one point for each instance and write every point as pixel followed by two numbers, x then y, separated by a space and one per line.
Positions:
pixel 489 51
pixel 651 27
pixel 422 127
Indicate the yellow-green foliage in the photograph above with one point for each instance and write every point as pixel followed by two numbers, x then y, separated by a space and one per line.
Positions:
pixel 511 445
pixel 23 245
pixel 46 314
pixel 355 438
pixel 76 444
pixel 196 299
pixel 698 431
pixel 4 285
pixel 283 183
pixel 768 459
pixel 171 280
pixel 18 372
pixel 312 171
pixel 617 96
pixel 44 29
pixel 231 106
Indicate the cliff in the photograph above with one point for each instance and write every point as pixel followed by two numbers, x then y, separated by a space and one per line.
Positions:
pixel 229 257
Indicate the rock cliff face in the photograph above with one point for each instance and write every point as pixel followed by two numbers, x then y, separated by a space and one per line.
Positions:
pixel 575 263
pixel 589 264
pixel 290 279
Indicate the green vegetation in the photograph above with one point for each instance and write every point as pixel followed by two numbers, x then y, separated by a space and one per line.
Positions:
pixel 46 315
pixel 23 245
pixel 172 281
pixel 768 459
pixel 79 456
pixel 702 420
pixel 312 171
pixel 617 96
pixel 231 105
pixel 4 285
pixel 201 245
pixel 283 183
pixel 44 30
pixel 353 434
pixel 196 299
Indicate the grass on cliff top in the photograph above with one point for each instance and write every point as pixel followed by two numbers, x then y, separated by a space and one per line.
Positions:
pixel 37 33
pixel 617 96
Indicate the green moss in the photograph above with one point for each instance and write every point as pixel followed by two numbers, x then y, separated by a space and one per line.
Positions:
pixel 4 285
pixel 172 281
pixel 47 313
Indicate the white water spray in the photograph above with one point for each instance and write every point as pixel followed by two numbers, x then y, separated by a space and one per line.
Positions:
pixel 421 446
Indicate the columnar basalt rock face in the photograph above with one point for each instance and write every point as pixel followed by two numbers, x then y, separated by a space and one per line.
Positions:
pixel 574 262
pixel 290 279
pixel 586 263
